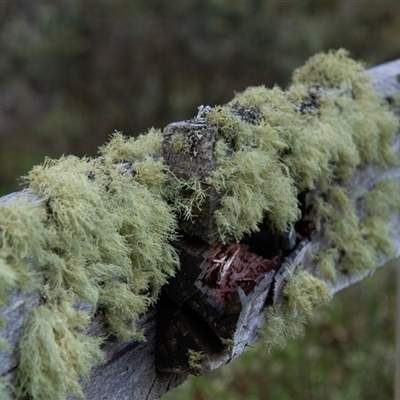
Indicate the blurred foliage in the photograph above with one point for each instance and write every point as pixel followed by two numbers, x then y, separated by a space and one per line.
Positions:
pixel 346 354
pixel 73 72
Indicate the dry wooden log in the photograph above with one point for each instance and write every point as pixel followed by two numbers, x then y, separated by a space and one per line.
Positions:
pixel 189 313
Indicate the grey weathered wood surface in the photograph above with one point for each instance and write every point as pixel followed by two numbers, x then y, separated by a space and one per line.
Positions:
pixel 129 371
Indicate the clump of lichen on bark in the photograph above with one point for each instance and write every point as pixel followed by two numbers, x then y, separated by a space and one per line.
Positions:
pixel 195 359
pixel 325 125
pixel 348 125
pixel 100 234
pixel 303 292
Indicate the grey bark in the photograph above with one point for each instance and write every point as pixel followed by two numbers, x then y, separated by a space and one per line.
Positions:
pixel 130 369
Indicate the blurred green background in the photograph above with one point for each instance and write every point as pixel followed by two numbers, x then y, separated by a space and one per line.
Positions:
pixel 73 72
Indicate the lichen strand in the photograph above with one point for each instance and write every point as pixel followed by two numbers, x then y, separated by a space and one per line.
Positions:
pixel 180 143
pixel 22 240
pixel 142 155
pixel 101 235
pixel 54 353
pixel 303 292
pixel 281 326
pixel 332 70
pixel 326 124
pixel 379 204
pixel 5 389
pixel 186 197
pixel 253 177
pixel 123 149
pixel 195 359
pixel 359 239
pixel 249 173
pixel 327 261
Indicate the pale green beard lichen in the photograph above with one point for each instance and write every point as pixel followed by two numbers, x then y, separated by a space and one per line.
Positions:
pixel 195 359
pixel 121 148
pixel 326 124
pixel 303 292
pixel 99 235
pixel 327 261
pixel 143 154
pixel 280 327
pixel 53 344
pixel 180 143
pixel 108 227
pixel 102 229
pixel 5 389
pixel 357 243
pixel 253 177
pixel 22 240
pixel 185 206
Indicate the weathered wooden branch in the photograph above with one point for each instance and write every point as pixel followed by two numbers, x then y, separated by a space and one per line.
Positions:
pixel 146 370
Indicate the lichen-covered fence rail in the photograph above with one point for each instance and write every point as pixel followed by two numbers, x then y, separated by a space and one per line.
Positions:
pixel 169 254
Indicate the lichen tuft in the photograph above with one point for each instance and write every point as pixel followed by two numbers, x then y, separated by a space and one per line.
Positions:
pixel 304 292
pixel 195 359
pixel 280 326
pixel 99 234
pixel 55 353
